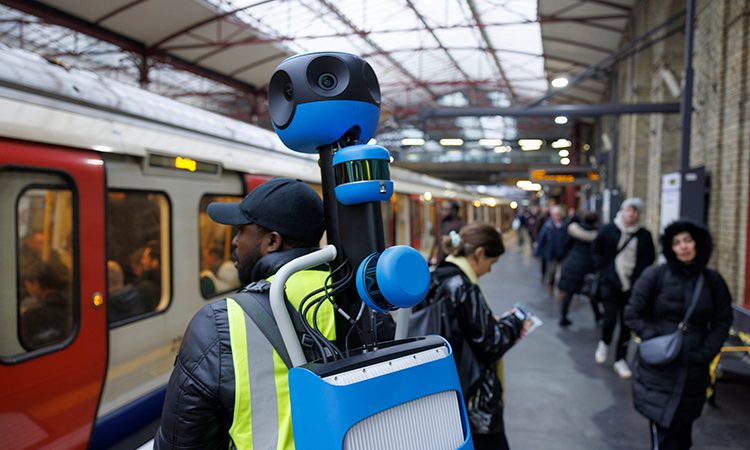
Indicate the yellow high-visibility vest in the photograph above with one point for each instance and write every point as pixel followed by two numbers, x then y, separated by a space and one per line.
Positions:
pixel 260 376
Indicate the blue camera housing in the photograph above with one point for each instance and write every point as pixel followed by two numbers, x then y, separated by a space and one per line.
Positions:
pixel 362 174
pixel 319 99
pixel 396 278
pixel 313 123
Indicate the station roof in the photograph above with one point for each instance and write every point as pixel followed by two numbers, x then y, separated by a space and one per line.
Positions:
pixel 426 53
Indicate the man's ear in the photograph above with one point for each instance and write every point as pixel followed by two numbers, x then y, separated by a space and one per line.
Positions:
pixel 273 242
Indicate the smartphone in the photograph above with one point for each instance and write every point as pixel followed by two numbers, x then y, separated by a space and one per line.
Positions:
pixel 536 322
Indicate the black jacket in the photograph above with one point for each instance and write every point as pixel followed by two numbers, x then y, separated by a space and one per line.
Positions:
pixel 675 393
pixel 604 251
pixel 478 341
pixel 577 262
pixel 199 403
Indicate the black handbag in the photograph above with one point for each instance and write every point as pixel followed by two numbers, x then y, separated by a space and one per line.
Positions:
pixel 662 350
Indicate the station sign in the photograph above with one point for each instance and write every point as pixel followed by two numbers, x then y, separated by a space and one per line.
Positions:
pixel 563 176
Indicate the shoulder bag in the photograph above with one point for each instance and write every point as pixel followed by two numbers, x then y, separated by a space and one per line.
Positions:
pixel 662 350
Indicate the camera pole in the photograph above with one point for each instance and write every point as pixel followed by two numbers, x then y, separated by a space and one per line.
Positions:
pixel 362 234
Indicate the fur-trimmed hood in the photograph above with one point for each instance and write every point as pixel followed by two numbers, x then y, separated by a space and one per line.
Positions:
pixel 703 242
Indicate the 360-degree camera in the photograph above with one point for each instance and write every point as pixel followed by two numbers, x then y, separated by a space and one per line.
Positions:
pixel 316 99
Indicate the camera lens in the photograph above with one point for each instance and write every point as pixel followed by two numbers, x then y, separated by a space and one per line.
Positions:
pixel 288 91
pixel 327 81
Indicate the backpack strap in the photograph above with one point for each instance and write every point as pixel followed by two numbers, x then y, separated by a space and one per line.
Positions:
pixel 255 302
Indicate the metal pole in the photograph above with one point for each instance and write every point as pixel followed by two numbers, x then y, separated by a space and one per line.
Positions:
pixel 686 103
pixel 555 110
pixel 612 161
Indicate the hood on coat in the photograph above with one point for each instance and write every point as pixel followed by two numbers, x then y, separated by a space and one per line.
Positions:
pixel 703 242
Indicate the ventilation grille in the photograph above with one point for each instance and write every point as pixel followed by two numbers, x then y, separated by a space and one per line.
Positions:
pixel 428 423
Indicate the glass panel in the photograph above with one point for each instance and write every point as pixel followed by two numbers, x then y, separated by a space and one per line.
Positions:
pixel 361 170
pixel 218 274
pixel 137 254
pixel 44 240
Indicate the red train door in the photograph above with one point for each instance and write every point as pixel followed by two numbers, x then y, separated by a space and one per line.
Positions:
pixel 53 331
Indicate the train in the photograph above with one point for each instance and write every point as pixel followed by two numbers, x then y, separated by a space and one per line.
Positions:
pixel 107 250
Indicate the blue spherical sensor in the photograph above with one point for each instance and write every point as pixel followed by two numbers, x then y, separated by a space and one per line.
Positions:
pixel 396 278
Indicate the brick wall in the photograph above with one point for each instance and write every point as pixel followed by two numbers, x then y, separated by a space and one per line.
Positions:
pixel 720 136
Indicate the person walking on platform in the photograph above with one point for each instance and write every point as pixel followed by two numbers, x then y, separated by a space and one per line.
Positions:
pixel 551 246
pixel 478 337
pixel 577 262
pixel 671 395
pixel 229 387
pixel 449 221
pixel 621 251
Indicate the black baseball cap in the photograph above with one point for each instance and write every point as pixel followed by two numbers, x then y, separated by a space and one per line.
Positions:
pixel 290 207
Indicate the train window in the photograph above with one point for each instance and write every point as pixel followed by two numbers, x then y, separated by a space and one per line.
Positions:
pixel 38 281
pixel 138 249
pixel 217 272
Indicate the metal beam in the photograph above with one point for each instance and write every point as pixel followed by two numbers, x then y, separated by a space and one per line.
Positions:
pixel 609 60
pixel 346 21
pixel 490 47
pixel 57 17
pixel 555 110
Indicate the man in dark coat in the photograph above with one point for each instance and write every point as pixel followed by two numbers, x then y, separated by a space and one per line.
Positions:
pixel 551 246
pixel 621 251
pixel 671 396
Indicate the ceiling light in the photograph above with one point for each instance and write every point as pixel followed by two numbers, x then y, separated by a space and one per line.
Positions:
pixel 563 153
pixel 559 82
pixel 451 142
pixel 586 147
pixel 477 203
pixel 523 183
pixel 492 202
pixel 428 196
pixel 412 141
pixel 372 141
pixel 561 143
pixel 564 161
pixel 490 142
pixel 530 144
pixel 513 205
pixel 502 149
pixel 561 120
pixel 533 187
pixel 102 148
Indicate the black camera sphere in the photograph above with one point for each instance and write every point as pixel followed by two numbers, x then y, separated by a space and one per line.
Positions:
pixel 315 99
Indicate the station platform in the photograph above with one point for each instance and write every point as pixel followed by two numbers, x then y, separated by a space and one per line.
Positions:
pixel 557 397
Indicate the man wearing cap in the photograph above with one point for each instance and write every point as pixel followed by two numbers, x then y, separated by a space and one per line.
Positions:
pixel 621 251
pixel 229 386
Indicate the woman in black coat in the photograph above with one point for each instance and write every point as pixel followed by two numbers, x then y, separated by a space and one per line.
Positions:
pixel 478 337
pixel 671 396
pixel 577 263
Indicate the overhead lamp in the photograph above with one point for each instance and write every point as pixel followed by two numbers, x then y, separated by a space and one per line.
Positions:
pixel 563 153
pixel 533 187
pixel 477 203
pixel 530 144
pixel 372 141
pixel 428 196
pixel 102 148
pixel 490 142
pixel 559 82
pixel 561 120
pixel 561 143
pixel 502 149
pixel 586 147
pixel 513 205
pixel 523 183
pixel 564 161
pixel 412 141
pixel 446 142
pixel 492 202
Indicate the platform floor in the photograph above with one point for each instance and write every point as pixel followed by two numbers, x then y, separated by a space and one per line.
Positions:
pixel 557 397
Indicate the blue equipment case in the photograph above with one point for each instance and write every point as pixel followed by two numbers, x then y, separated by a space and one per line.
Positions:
pixel 404 396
